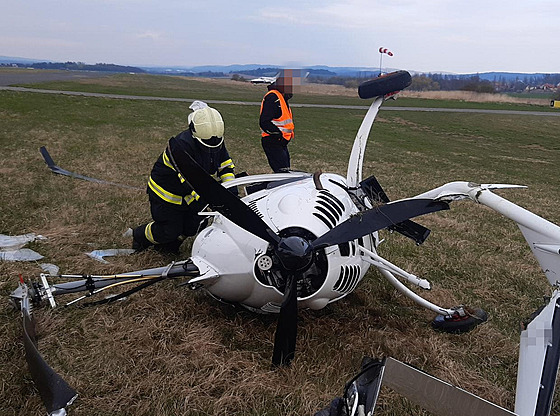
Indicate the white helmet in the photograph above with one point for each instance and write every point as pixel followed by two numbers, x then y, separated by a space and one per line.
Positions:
pixel 207 126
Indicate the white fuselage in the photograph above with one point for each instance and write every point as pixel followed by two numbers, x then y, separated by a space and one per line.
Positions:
pixel 229 254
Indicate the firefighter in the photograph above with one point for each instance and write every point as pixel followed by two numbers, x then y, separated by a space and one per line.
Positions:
pixel 174 205
pixel 277 123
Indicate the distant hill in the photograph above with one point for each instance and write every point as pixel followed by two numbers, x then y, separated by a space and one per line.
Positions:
pixel 18 60
pixel 70 66
pixel 269 70
pixel 258 70
pixel 507 76
pixel 80 66
pixel 317 70
pixel 492 76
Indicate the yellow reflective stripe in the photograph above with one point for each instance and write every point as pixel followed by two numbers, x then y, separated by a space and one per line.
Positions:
pixel 148 233
pixel 163 194
pixel 227 177
pixel 166 161
pixel 227 163
pixel 189 199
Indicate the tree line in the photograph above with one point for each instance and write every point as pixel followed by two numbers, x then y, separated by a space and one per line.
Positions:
pixel 80 66
pixel 499 83
pixel 447 82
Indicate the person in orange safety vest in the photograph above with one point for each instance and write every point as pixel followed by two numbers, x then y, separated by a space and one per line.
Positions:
pixel 276 121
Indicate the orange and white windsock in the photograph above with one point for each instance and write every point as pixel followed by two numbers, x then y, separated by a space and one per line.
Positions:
pixel 385 50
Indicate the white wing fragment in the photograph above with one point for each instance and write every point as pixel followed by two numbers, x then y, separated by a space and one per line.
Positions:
pixel 100 254
pixel 22 254
pixel 11 247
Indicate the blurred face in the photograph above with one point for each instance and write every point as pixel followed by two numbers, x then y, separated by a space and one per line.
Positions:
pixel 289 81
pixel 284 84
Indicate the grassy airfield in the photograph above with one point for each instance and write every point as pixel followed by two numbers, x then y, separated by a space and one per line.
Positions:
pixel 170 351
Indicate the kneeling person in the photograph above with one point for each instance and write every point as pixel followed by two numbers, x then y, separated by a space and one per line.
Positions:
pixel 174 205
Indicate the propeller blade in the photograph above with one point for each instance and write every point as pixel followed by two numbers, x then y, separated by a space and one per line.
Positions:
pixel 218 197
pixel 286 328
pixel 376 219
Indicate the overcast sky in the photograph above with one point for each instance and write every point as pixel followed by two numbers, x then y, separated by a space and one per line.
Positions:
pixel 460 36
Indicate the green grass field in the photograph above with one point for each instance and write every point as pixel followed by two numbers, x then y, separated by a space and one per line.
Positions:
pixel 170 351
pixel 219 89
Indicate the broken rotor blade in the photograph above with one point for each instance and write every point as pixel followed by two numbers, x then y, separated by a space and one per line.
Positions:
pixel 218 197
pixel 375 219
pixel 57 169
pixel 55 392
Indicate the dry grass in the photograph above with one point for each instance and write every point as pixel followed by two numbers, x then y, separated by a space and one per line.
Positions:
pixel 341 91
pixel 471 96
pixel 171 351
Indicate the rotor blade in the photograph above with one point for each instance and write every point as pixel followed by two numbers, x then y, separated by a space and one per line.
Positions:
pixel 55 392
pixel 57 169
pixel 218 197
pixel 286 328
pixel 375 219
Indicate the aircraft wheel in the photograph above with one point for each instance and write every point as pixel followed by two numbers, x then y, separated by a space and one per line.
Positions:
pixel 385 84
pixel 459 324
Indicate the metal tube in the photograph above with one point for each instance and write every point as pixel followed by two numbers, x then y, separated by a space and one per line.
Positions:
pixel 519 215
pixel 423 283
pixel 410 294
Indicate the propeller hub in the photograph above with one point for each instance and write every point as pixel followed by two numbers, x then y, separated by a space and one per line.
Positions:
pixel 295 253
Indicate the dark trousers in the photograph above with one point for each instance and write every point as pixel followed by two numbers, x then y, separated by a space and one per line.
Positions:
pixel 169 226
pixel 276 151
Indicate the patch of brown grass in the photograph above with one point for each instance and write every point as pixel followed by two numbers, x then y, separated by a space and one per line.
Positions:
pixel 468 96
pixel 471 96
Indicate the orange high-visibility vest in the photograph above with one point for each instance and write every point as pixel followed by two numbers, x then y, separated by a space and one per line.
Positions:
pixel 286 122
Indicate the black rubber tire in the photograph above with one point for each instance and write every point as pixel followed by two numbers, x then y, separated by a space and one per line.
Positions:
pixel 459 325
pixel 385 84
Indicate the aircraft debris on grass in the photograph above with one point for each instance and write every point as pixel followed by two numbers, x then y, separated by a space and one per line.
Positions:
pixel 304 240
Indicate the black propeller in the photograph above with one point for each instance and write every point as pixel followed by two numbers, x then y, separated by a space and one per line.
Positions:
pixel 218 197
pixel 286 327
pixel 295 253
pixel 375 219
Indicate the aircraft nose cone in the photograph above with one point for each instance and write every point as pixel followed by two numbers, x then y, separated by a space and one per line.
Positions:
pixel 294 253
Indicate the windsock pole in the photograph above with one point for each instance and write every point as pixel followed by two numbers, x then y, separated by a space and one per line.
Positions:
pixel 383 50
